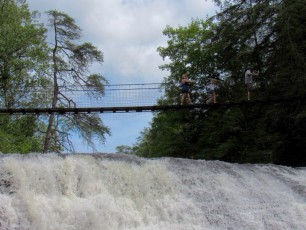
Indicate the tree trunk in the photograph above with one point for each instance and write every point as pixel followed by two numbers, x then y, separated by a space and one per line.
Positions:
pixel 54 99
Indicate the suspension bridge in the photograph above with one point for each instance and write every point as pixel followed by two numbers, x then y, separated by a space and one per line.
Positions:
pixel 120 98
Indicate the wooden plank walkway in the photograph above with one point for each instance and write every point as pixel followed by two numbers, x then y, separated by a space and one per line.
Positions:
pixel 143 108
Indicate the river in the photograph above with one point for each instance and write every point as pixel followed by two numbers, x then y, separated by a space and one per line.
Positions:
pixel 114 191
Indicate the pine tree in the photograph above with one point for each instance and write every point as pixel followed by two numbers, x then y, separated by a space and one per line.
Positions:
pixel 71 63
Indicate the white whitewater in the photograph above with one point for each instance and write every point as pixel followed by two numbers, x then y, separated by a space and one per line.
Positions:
pixel 110 191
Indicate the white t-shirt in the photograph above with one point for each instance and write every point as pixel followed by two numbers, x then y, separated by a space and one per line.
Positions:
pixel 248 78
pixel 211 87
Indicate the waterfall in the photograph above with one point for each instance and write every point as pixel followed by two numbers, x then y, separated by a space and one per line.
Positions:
pixel 114 191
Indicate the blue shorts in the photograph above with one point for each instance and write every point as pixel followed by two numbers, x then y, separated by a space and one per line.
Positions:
pixel 185 89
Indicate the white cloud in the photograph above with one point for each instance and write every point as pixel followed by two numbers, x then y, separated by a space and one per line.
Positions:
pixel 128 32
pixel 129 37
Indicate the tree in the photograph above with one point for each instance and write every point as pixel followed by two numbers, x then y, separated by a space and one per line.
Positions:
pixel 19 134
pixel 23 58
pixel 71 63
pixel 290 47
pixel 124 149
pixel 22 52
pixel 270 36
pixel 189 50
pixel 244 33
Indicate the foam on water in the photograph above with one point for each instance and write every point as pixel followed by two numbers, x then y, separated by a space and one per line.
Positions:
pixel 100 192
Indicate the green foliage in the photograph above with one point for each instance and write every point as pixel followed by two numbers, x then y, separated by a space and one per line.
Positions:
pixel 23 52
pixel 268 35
pixel 189 49
pixel 28 77
pixel 288 122
pixel 23 61
pixel 291 48
pixel 125 149
pixel 165 137
pixel 19 134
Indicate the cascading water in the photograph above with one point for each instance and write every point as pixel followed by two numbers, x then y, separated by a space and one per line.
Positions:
pixel 112 191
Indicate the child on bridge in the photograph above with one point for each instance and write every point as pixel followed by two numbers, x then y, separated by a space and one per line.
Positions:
pixel 248 80
pixel 185 89
pixel 212 88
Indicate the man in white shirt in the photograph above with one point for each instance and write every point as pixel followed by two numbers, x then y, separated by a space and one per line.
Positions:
pixel 248 80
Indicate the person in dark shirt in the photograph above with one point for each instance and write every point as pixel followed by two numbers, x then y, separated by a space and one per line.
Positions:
pixel 185 89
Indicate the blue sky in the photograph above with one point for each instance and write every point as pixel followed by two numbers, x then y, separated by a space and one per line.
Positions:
pixel 128 33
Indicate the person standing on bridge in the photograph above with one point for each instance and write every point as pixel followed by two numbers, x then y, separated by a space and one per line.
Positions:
pixel 212 88
pixel 248 80
pixel 185 89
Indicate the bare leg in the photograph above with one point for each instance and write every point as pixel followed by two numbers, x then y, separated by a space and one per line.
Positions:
pixel 208 100
pixel 214 97
pixel 189 99
pixel 182 99
pixel 249 88
pixel 249 95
